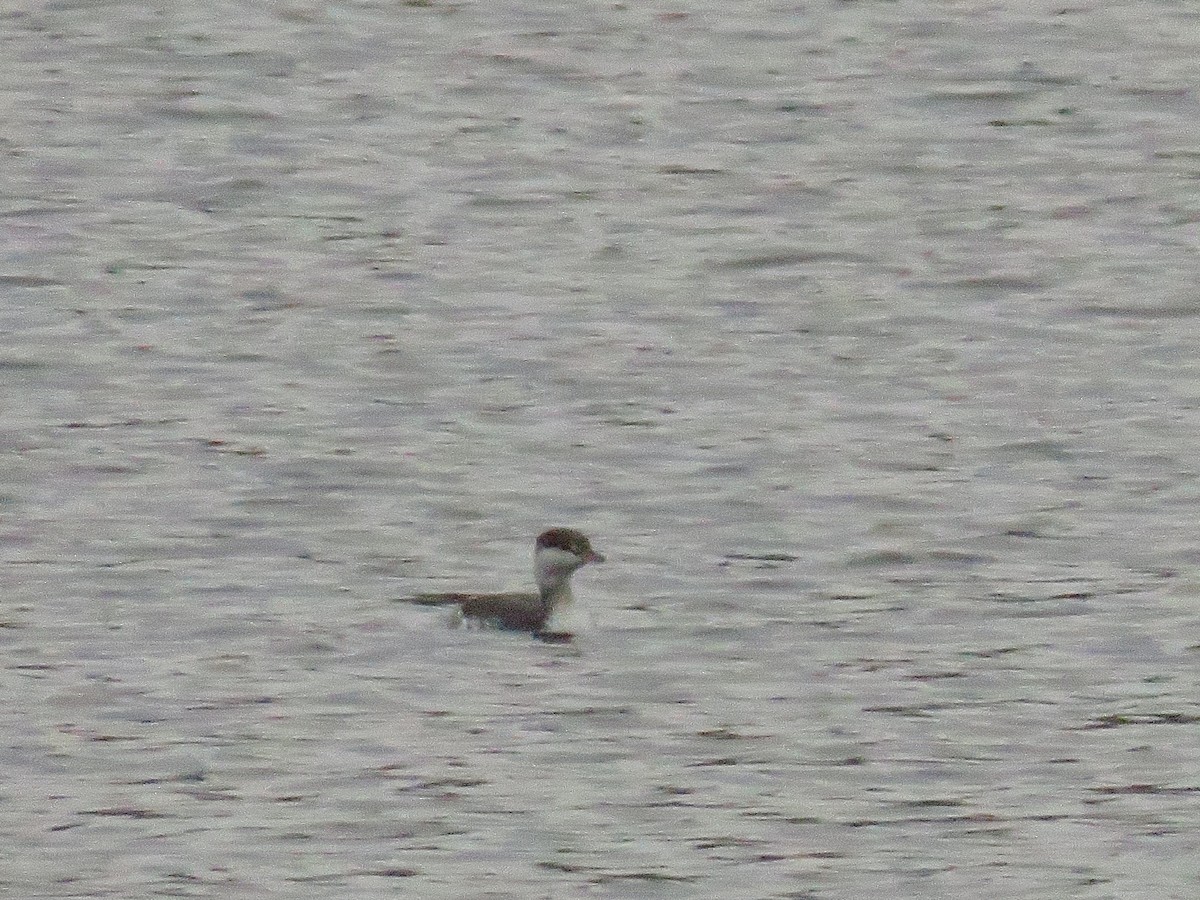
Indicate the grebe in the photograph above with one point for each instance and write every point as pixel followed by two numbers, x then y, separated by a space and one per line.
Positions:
pixel 556 555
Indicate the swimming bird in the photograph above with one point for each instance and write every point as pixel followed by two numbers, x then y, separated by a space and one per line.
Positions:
pixel 557 553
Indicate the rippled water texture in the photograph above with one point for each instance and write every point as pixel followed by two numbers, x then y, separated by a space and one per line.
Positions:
pixel 861 337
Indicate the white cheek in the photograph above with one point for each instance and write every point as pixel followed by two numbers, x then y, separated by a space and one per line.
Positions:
pixel 551 560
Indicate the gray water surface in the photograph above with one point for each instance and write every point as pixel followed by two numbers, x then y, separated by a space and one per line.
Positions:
pixel 861 337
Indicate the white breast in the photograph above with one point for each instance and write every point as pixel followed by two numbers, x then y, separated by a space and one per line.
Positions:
pixel 567 618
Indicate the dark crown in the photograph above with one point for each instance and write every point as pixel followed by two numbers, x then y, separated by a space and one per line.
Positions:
pixel 567 539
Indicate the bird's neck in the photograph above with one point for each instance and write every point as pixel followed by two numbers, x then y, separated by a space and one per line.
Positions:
pixel 552 570
pixel 556 593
